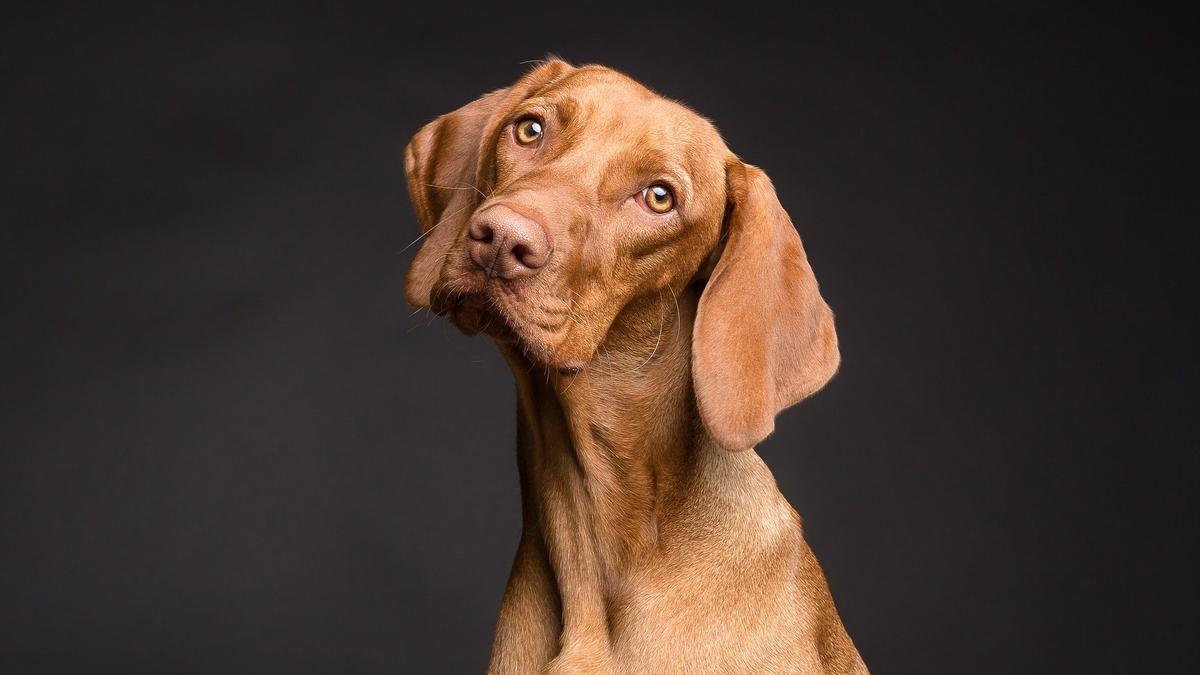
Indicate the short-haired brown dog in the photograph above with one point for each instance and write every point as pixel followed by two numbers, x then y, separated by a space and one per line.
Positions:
pixel 657 309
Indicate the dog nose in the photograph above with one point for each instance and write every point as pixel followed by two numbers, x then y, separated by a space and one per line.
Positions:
pixel 506 244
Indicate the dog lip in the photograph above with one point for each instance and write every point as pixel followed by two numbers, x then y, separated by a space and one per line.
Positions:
pixel 504 313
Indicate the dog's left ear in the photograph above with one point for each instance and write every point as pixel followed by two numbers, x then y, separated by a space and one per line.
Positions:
pixel 763 338
pixel 442 163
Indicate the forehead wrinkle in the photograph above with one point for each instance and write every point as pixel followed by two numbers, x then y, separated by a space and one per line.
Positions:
pixel 573 120
pixel 564 108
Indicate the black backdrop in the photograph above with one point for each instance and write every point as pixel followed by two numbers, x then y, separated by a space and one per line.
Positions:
pixel 229 448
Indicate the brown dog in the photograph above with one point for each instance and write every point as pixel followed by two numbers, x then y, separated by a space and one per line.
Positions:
pixel 657 309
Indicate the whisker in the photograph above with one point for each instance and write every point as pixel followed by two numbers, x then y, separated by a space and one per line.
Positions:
pixel 661 320
pixel 436 225
pixel 574 378
pixel 678 317
pixel 495 309
pixel 421 325
pixel 456 187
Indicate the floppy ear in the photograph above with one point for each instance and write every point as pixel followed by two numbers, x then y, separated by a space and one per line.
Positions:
pixel 763 337
pixel 442 162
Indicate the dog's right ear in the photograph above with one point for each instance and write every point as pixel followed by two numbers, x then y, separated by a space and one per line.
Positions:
pixel 764 337
pixel 442 164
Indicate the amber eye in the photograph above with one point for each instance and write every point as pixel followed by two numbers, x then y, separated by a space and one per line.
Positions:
pixel 528 130
pixel 658 198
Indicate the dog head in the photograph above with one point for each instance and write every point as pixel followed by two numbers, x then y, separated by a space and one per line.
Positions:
pixel 552 208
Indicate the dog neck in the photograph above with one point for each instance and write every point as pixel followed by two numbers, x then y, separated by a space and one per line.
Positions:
pixel 605 455
pixel 617 472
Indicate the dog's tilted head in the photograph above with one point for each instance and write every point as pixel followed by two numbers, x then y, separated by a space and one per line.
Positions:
pixel 555 208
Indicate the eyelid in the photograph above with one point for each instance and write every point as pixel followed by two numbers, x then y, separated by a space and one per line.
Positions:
pixel 666 182
pixel 542 111
pixel 521 117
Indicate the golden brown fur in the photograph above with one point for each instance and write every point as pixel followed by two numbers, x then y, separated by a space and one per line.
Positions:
pixel 651 352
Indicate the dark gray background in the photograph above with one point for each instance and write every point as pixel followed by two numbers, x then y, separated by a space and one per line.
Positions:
pixel 228 448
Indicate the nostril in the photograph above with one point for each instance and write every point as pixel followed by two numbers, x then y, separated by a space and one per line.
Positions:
pixel 481 231
pixel 529 255
pixel 521 253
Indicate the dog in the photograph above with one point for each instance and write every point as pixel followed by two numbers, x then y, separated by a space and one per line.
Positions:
pixel 658 310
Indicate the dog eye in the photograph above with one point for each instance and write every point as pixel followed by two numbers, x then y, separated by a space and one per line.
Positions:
pixel 658 198
pixel 528 130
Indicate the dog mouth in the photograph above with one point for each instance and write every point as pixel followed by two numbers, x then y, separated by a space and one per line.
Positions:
pixel 507 316
pixel 473 313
